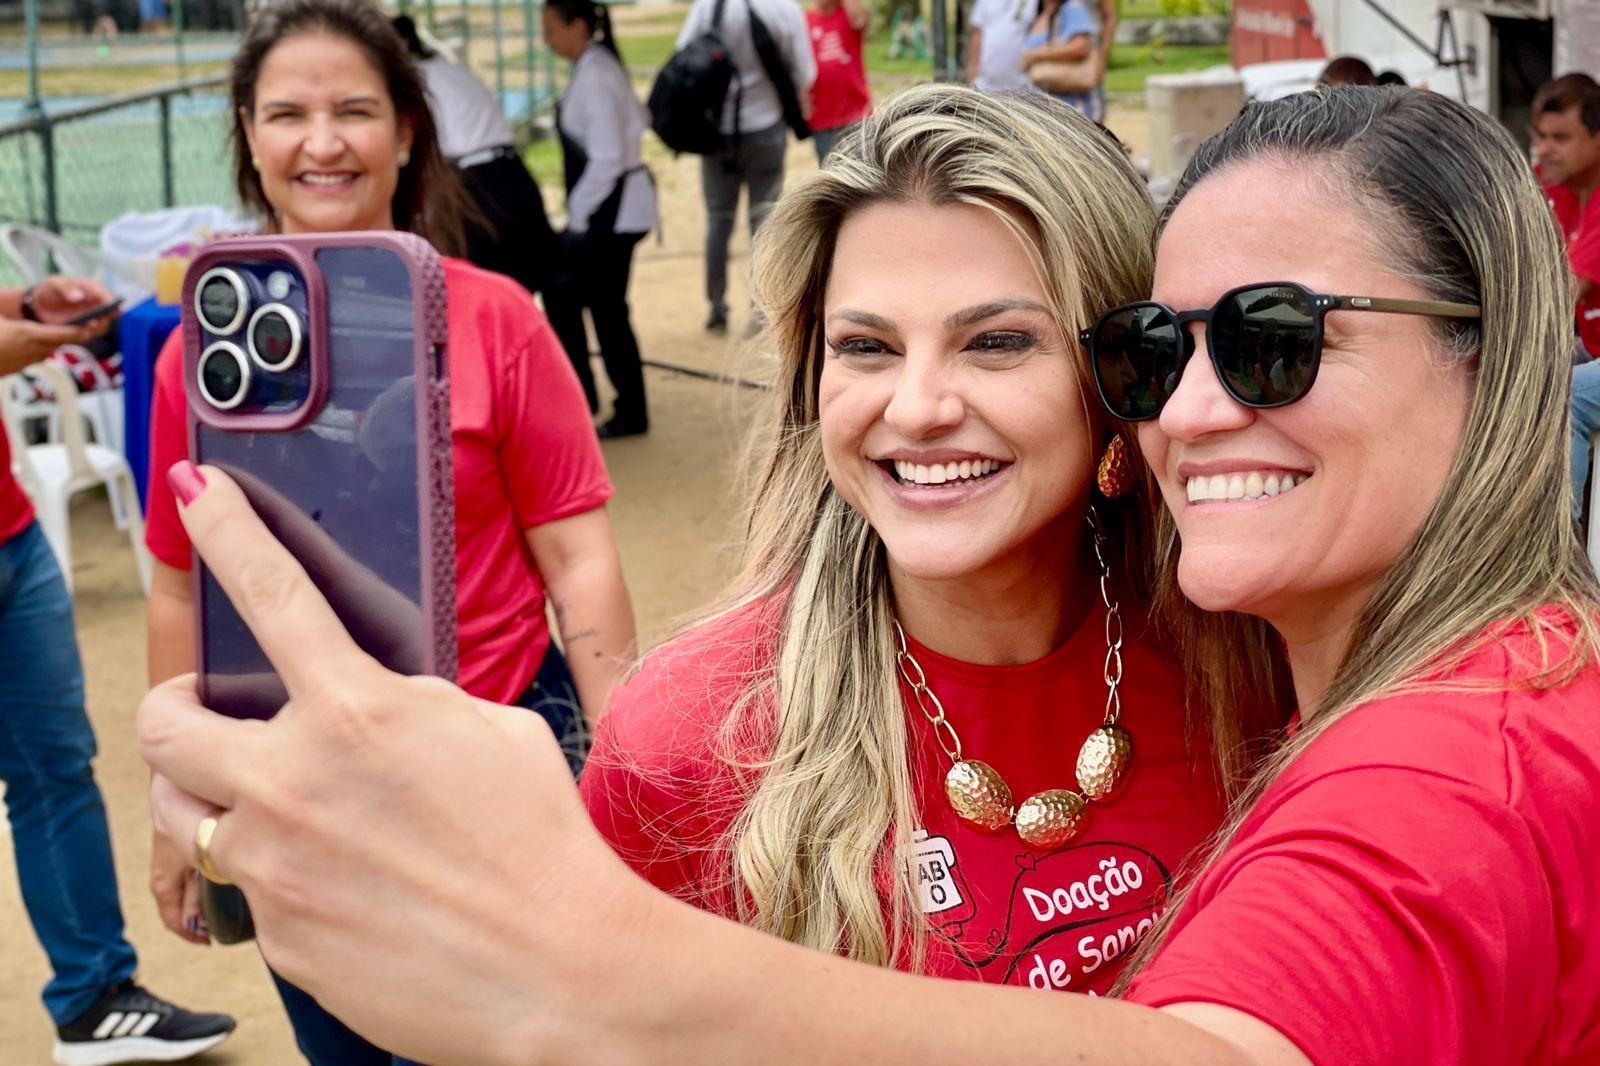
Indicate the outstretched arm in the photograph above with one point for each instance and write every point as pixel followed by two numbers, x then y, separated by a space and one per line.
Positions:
pixel 412 853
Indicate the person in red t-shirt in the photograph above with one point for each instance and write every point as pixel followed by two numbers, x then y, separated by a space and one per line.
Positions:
pixel 54 809
pixel 839 97
pixel 1566 135
pixel 1408 879
pixel 951 435
pixel 530 482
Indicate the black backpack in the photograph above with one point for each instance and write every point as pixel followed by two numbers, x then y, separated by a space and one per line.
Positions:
pixel 778 73
pixel 687 98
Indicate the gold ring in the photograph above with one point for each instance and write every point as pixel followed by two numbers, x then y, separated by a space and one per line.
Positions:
pixel 202 848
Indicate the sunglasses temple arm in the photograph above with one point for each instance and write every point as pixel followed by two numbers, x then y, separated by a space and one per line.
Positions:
pixel 1440 308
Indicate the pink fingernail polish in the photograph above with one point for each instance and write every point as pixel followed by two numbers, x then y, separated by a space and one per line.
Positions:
pixel 186 481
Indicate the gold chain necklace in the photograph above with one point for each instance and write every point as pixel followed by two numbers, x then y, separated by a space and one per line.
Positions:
pixel 977 792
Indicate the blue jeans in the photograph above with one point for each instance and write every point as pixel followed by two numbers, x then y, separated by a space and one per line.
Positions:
pixel 58 819
pixel 326 1041
pixel 1585 423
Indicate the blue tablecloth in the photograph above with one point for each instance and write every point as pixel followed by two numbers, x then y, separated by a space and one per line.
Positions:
pixel 142 330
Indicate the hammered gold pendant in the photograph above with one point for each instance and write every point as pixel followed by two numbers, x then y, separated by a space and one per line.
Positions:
pixel 979 795
pixel 1103 762
pixel 1049 819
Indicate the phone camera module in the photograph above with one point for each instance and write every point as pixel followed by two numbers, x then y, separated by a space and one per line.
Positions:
pixel 275 338
pixel 224 376
pixel 221 300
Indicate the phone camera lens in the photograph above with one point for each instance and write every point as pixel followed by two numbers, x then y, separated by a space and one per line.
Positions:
pixel 221 300
pixel 275 337
pixel 224 376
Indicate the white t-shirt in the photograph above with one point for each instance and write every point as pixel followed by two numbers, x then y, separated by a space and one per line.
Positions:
pixel 759 106
pixel 467 114
pixel 1004 24
pixel 601 114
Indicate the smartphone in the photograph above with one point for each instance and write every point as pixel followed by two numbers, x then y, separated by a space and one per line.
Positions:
pixel 89 316
pixel 316 374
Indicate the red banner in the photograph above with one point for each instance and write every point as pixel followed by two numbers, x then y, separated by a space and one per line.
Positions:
pixel 1267 30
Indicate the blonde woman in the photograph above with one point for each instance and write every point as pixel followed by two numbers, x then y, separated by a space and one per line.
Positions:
pixel 936 599
pixel 1410 879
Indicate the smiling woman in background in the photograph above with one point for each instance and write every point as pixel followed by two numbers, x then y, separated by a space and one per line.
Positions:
pixel 333 133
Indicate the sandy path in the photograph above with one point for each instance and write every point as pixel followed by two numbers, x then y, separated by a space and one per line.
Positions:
pixel 676 524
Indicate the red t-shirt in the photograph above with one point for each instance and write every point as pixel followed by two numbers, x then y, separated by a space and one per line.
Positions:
pixel 16 511
pixel 839 96
pixel 1581 228
pixel 524 451
pixel 1419 886
pixel 999 911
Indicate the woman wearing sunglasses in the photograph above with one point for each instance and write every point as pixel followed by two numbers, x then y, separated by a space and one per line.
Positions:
pixel 1409 878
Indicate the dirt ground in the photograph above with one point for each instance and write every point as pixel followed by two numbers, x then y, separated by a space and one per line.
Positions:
pixel 676 525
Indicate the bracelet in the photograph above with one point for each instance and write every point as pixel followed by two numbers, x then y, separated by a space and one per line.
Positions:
pixel 28 310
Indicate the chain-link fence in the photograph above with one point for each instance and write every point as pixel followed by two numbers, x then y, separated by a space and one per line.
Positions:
pixel 74 170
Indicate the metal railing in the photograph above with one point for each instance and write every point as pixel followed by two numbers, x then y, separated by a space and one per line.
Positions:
pixel 73 170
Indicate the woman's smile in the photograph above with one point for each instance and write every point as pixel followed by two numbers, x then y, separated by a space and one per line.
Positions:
pixel 928 486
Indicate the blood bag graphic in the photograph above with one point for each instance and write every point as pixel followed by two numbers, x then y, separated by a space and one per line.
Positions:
pixel 941 890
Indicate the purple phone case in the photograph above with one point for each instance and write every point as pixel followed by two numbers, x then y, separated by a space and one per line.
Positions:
pixel 342 462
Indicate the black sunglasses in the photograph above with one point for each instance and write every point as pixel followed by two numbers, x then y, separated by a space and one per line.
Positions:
pixel 1265 342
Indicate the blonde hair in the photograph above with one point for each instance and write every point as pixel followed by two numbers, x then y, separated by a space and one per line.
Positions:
pixel 825 819
pixel 1451 203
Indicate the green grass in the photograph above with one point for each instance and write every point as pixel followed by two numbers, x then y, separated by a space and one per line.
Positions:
pixel 101 81
pixel 1130 65
pixel 1156 9
pixel 648 51
pixel 543 159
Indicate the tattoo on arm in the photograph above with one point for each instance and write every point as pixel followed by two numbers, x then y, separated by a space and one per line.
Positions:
pixel 583 634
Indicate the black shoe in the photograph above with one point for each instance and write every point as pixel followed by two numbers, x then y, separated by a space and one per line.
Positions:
pixel 128 1024
pixel 717 322
pixel 615 428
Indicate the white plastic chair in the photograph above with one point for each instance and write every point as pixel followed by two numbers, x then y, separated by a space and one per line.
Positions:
pixel 103 407
pixel 51 474
pixel 31 248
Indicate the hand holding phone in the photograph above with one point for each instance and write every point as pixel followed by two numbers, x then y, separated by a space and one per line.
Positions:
pixel 93 313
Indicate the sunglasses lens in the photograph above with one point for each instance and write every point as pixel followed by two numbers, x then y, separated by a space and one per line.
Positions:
pixel 1264 342
pixel 1138 355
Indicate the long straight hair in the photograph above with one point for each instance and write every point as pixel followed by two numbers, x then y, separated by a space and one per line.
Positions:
pixel 1448 198
pixel 823 826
